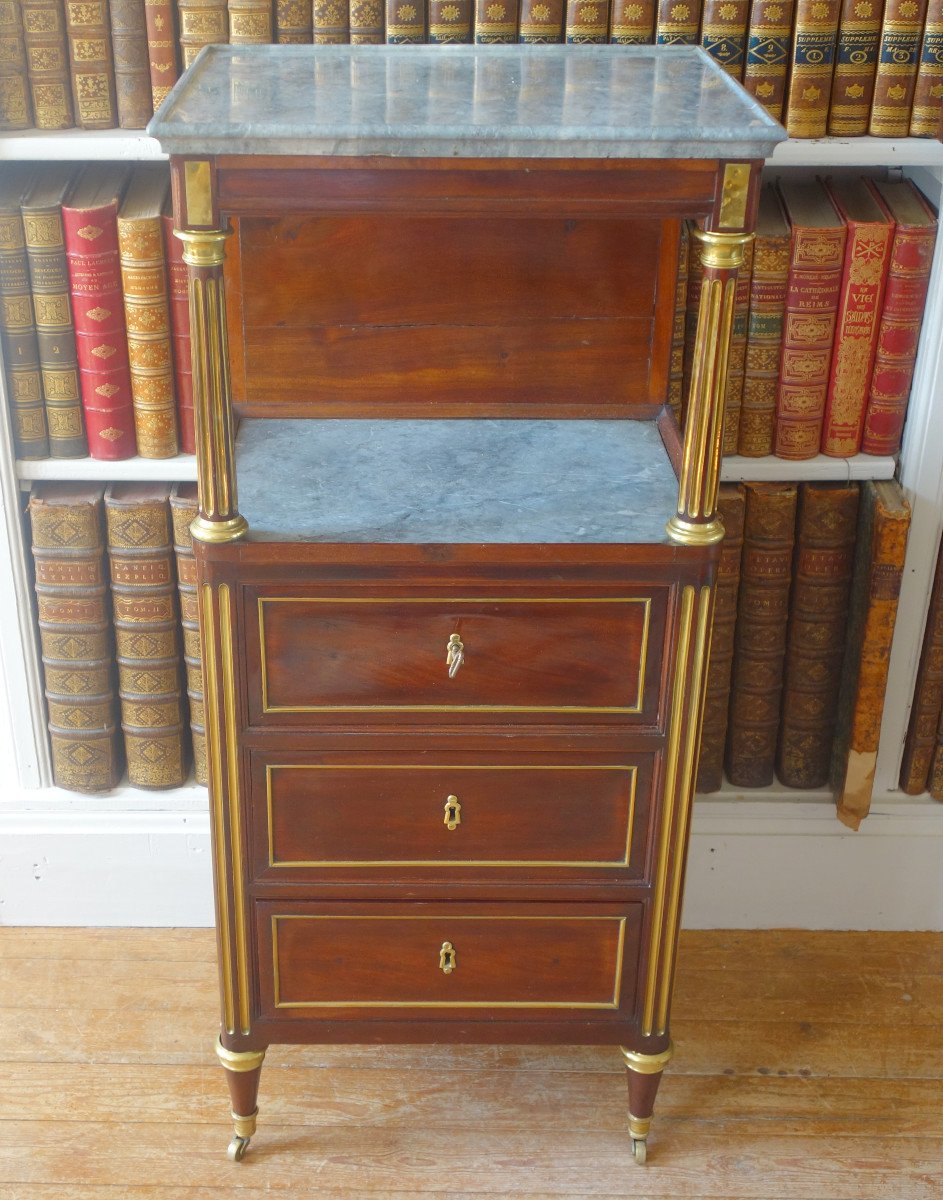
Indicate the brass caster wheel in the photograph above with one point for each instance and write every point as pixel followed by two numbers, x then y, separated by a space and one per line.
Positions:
pixel 639 1151
pixel 237 1149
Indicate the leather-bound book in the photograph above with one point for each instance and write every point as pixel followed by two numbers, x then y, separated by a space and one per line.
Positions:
pixel 816 258
pixel 695 279
pixel 17 323
pixel 935 776
pixel 677 24
pixel 250 21
pixel 293 20
pixel 769 46
pixel 765 326
pixel 366 23
pixel 815 645
pixel 902 315
pixel 183 510
pixel 896 78
pixel 724 33
pixel 406 22
pixel 736 357
pixel 450 21
pixel 55 334
pixel 760 637
pixel 731 503
pixel 144 596
pixel 856 56
pixel 586 22
pixel 926 118
pixel 147 310
pixel 330 23
pixel 91 64
pixel 178 294
pixel 132 63
pixel 47 61
pixel 162 65
pixel 202 23
pixel 542 21
pixel 920 743
pixel 867 257
pixel 76 635
pixel 15 108
pixel 808 94
pixel 496 22
pixel 632 23
pixel 880 545
pixel 90 221
pixel 676 368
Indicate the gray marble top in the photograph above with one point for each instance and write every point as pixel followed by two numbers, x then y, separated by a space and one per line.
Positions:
pixel 591 102
pixel 454 481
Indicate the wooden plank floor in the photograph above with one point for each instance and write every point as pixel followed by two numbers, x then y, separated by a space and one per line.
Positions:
pixel 809 1066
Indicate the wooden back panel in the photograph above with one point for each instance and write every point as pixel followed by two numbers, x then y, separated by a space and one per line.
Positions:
pixel 412 316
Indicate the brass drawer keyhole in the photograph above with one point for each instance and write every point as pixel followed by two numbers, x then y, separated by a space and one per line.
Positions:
pixel 453 813
pixel 455 655
pixel 447 961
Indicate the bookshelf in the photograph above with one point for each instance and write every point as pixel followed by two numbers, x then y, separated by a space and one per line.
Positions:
pixel 762 837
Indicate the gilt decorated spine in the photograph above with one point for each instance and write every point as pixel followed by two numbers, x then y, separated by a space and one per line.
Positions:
pixel 736 358
pixel 769 33
pixel 632 23
pixel 250 21
pixel 677 24
pixel 896 78
pixel 496 22
pixel 856 55
pixel 815 646
pixel 132 63
pixel 178 291
pixel 161 48
pixel 586 22
pixel 724 33
pixel 450 21
pixel 542 21
pixel 920 743
pixel 676 368
pixel 406 22
pixel 927 111
pixel 47 60
pixel 293 20
pixel 91 64
pixel 15 109
pixel 202 23
pixel 813 58
pixel 183 511
pixel 366 23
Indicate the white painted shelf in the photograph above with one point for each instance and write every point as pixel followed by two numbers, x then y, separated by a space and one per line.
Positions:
pixel 736 468
pixel 858 152
pixel 80 145
pixel 181 467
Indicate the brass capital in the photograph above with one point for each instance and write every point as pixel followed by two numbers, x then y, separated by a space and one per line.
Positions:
pixel 695 533
pixel 203 247
pixel 723 251
pixel 229 530
pixel 647 1064
pixel 239 1060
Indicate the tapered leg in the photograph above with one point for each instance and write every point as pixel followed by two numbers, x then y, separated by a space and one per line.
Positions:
pixel 243 1071
pixel 644 1076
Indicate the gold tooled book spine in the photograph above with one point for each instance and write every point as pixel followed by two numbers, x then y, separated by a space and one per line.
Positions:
pixel 162 44
pixel 813 58
pixel 15 108
pixel 202 23
pixel 927 706
pixel 692 307
pixel 17 322
pixel 250 21
pixel 330 23
pixel 406 22
pixel 896 78
pixel 731 504
pixel 586 22
pixel 75 632
pixel 736 356
pixel 183 510
pixel 91 64
pixel 724 33
pixel 677 24
pixel 927 109
pixel 632 23
pixel 132 63
pixel 144 587
pixel 366 23
pixel 769 46
pixel 856 55
pixel 541 21
pixel 815 645
pixel 47 61
pixel 880 546
pixel 293 21
pixel 496 23
pixel 760 638
pixel 676 367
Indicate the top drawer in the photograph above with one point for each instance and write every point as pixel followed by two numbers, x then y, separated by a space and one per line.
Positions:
pixel 526 657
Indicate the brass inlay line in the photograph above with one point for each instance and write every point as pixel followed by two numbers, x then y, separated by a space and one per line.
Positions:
pixel 235 814
pixel 627 710
pixel 443 862
pixel 577 1004
pixel 214 757
pixel 672 770
pixel 198 192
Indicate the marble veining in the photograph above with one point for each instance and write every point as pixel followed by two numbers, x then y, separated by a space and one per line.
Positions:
pixel 595 101
pixel 454 481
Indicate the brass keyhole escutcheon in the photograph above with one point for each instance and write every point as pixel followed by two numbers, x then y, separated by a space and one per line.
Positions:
pixel 447 961
pixel 454 655
pixel 453 813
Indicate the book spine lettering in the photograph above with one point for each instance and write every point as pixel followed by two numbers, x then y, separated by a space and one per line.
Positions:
pixel 856 56
pixel 132 64
pixel 47 60
pixel 768 51
pixel 15 108
pixel 202 23
pixel 927 108
pixel 813 58
pixel 541 21
pixel 677 24
pixel 724 33
pixel 18 340
pixel 586 22
pixel 91 64
pixel 764 345
pixel 161 48
pixel 896 78
pixel 632 24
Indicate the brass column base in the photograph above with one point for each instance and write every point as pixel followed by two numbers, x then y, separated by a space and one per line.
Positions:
pixel 695 533
pixel 230 530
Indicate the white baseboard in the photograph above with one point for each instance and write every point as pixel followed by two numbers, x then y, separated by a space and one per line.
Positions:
pixel 753 865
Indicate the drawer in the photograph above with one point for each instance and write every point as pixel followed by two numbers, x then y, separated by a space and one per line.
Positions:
pixel 346 959
pixel 320 817
pixel 529 657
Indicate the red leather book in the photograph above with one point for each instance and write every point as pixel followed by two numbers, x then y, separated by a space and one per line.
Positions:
pixel 902 315
pixel 180 329
pixel 867 256
pixel 161 48
pixel 90 222
pixel 817 255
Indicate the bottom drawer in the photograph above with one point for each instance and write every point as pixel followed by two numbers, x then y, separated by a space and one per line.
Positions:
pixel 348 960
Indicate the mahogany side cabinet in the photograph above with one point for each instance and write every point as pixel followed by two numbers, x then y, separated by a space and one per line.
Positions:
pixel 455 625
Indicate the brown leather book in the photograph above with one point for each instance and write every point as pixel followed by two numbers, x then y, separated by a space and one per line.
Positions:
pixel 808 94
pixel 677 24
pixel 632 23
pixel 815 646
pixel 250 21
pixel 17 322
pixel 91 64
pixel 760 638
pixel 144 595
pixel 736 357
pixel 178 295
pixel 765 326
pixel 147 311
pixel 541 21
pixel 47 61
pixel 896 78
pixel 676 369
pixel 450 21
pixel 183 510
pixel 920 743
pixel 769 34
pixel 132 63
pixel 202 23
pixel 731 503
pixel 880 546
pixel 15 108
pixel 856 56
pixel 496 23
pixel 293 20
pixel 586 22
pixel 692 305
pixel 724 33
pixel 159 16
pixel 75 633
pixel 927 110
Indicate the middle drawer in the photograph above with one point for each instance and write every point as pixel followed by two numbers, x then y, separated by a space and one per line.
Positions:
pixel 318 817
